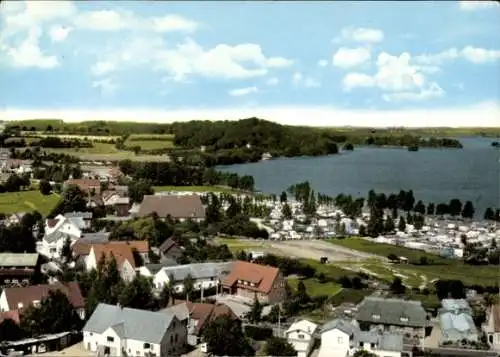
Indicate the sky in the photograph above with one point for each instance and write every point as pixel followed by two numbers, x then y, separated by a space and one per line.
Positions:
pixel 330 63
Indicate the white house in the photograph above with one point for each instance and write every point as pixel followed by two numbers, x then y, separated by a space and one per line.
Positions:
pixel 57 230
pixel 122 253
pixel 301 336
pixel 205 275
pixel 120 331
pixel 492 327
pixel 342 337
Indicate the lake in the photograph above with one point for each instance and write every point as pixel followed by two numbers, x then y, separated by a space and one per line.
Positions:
pixel 434 175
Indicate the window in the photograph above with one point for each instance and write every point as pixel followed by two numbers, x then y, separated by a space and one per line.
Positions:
pixel 340 340
pixel 301 336
pixel 372 345
pixel 376 317
pixel 403 319
pixel 147 345
pixel 171 339
pixel 110 339
pixel 176 338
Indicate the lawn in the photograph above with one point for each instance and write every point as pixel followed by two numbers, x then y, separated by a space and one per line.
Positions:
pixel 314 287
pixel 236 245
pixel 384 250
pixel 27 201
pixel 151 142
pixel 194 189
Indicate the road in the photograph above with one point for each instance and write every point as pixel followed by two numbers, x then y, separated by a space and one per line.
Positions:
pixel 451 352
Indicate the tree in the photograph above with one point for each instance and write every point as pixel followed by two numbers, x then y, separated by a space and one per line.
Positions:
pixel 136 149
pixel 302 293
pixel 54 315
pixel 73 200
pixel 364 353
pixel 283 197
pixel 430 209
pixel 224 337
pixel 397 286
pixel 392 257
pixel 455 207
pixel 362 230
pixel 255 313
pixel 286 211
pixel 402 224
pixel 138 294
pixel 137 189
pixel 165 295
pixel 66 250
pixel 409 201
pixel 468 211
pixel 419 207
pixel 389 225
pixel 45 187
pixel 188 284
pixel 10 331
pixel 489 215
pixel 277 346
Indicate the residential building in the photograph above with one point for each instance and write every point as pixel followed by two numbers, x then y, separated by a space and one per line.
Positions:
pixel 18 268
pixel 22 297
pixel 456 321
pixel 205 275
pixel 72 226
pixel 342 337
pixel 248 280
pixel 115 203
pixel 121 331
pixel 197 316
pixel 301 335
pixel 170 249
pixel 179 207
pixel 121 251
pixel 150 270
pixel 81 248
pixel 88 186
pixel 392 315
pixel 14 219
pixel 492 327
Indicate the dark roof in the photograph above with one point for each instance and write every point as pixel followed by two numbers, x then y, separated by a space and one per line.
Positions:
pixel 392 312
pixel 84 215
pixel 168 244
pixel 177 206
pixel 26 295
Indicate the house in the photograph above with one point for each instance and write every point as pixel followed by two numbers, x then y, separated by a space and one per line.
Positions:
pixel 406 316
pixel 101 173
pixel 21 297
pixel 179 207
pixel 247 280
pixel 301 336
pixel 121 331
pixel 170 249
pixel 456 321
pixel 81 248
pixel 341 337
pixel 198 315
pixel 13 315
pixel 492 327
pixel 82 219
pixel 88 186
pixel 57 231
pixel 204 275
pixel 115 203
pixel 14 219
pixel 150 270
pixel 123 254
pixel 18 268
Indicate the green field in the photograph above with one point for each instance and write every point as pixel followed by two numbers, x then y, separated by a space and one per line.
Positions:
pixel 314 287
pixel 194 189
pixel 438 267
pixel 384 250
pixel 151 142
pixel 27 201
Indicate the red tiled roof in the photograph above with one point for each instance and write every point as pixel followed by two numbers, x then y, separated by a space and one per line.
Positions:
pixel 85 184
pixel 26 295
pixel 121 252
pixel 12 315
pixel 52 222
pixel 263 276
pixel 81 248
pixel 204 313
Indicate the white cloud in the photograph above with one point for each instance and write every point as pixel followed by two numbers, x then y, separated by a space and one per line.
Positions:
pixel 361 34
pixel 477 5
pixel 432 91
pixel 59 33
pixel 351 57
pixel 484 114
pixel 28 53
pixel 171 23
pixel 299 80
pixel 106 86
pixel 102 68
pixel 438 58
pixel 243 91
pixel 397 78
pixel 272 81
pixel 480 55
pixel 223 61
pixel 322 63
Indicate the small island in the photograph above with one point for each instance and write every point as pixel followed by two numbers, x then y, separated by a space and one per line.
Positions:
pixel 413 148
pixel 495 144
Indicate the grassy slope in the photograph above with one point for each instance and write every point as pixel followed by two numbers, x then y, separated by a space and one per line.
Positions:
pixel 27 201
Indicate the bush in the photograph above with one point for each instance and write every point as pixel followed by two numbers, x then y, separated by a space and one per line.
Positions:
pixel 258 333
pixel 45 187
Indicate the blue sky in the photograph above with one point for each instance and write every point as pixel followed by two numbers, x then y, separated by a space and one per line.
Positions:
pixel 323 63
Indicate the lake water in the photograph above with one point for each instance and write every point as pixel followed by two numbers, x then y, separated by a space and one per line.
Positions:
pixel 434 175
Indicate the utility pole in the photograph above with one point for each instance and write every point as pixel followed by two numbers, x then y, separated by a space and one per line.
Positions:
pixel 279 320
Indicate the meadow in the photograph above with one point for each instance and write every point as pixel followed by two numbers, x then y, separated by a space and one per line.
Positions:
pixel 28 201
